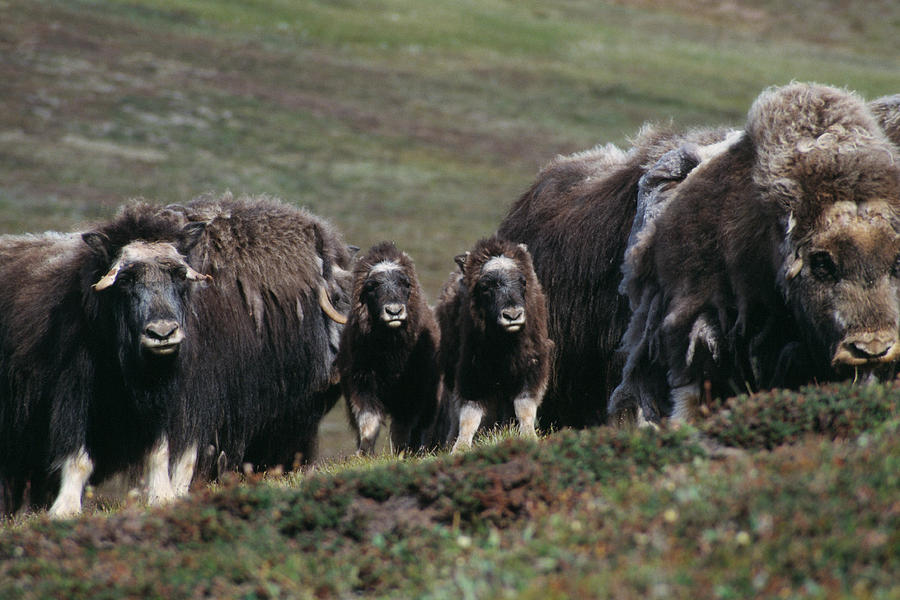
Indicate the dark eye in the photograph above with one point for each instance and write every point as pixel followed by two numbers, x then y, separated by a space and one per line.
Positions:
pixel 179 273
pixel 125 277
pixel 522 281
pixel 404 280
pixel 822 266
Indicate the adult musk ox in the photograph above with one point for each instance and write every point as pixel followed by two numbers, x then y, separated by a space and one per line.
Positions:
pixel 388 353
pixel 94 331
pixel 118 344
pixel 268 331
pixel 575 220
pixel 494 351
pixel 774 260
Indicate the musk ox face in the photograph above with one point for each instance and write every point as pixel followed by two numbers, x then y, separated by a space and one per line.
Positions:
pixel 497 289
pixel 146 291
pixel 843 282
pixel 385 293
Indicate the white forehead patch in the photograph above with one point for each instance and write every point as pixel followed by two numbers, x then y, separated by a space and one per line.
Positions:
pixel 713 150
pixel 499 263
pixel 384 266
pixel 148 252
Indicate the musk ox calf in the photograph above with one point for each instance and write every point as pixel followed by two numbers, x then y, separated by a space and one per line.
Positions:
pixel 772 261
pixel 94 328
pixel 576 219
pixel 388 353
pixel 494 352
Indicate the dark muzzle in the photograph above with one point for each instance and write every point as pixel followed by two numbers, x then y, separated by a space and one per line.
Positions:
pixel 162 337
pixel 393 314
pixel 867 348
pixel 512 318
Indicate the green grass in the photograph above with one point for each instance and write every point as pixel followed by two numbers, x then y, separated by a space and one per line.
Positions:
pixel 578 514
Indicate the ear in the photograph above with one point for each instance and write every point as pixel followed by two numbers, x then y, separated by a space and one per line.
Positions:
pixel 190 236
pixel 460 260
pixel 98 243
pixel 521 253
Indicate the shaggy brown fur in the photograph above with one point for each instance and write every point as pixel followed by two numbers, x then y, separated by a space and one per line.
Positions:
pixel 495 352
pixel 887 113
pixel 89 380
pixel 774 259
pixel 388 355
pixel 87 371
pixel 264 374
pixel 576 220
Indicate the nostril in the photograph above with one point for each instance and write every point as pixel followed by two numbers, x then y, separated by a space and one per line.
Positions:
pixel 512 314
pixel 161 330
pixel 872 349
pixel 394 310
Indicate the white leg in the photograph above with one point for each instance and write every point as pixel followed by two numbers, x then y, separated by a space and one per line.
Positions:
pixel 526 412
pixel 642 421
pixel 184 471
pixel 469 419
pixel 368 423
pixel 159 486
pixel 685 401
pixel 76 470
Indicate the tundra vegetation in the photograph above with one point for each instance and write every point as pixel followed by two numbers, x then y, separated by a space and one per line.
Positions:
pixel 369 113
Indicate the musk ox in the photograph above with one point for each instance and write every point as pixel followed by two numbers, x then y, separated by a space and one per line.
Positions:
pixel 576 220
pixel 582 213
pixel 268 331
pixel 494 351
pixel 388 353
pixel 94 328
pixel 774 261
pixel 161 332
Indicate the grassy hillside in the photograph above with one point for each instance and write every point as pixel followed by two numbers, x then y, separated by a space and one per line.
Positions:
pixel 420 122
pixel 695 513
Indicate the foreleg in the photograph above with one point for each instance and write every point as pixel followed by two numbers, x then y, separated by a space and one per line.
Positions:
pixel 183 470
pixel 470 415
pixel 159 485
pixel 76 470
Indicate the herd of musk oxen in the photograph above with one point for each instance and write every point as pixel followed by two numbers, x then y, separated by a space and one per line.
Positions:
pixel 624 286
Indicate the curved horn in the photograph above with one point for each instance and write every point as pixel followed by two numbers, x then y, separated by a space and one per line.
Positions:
pixel 193 275
pixel 794 269
pixel 328 308
pixel 108 279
